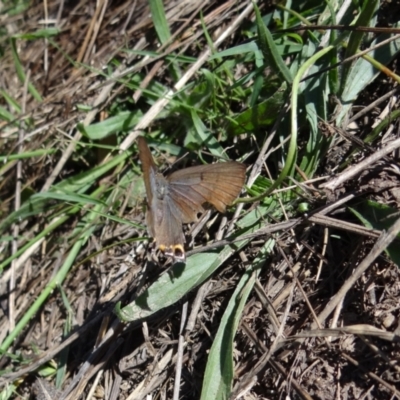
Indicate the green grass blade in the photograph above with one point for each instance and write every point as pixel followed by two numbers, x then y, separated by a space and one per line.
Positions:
pixel 27 154
pixel 362 73
pixel 85 230
pixel 21 73
pixel 269 49
pixel 58 222
pixel 364 19
pixel 160 20
pixel 218 376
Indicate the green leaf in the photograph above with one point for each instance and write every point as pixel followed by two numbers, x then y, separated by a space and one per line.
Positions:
pixel 27 154
pixel 66 197
pixel 218 376
pixel 269 49
pixel 205 136
pixel 181 279
pixel 121 122
pixel 364 19
pixel 21 71
pixel 80 184
pixel 160 20
pixel 172 286
pixel 262 114
pixel 252 47
pixel 39 34
pixel 362 73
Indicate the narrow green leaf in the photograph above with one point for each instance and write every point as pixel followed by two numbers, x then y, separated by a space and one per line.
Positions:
pixel 364 19
pixel 160 20
pixel 269 49
pixel 21 73
pixel 68 197
pixel 362 73
pixel 118 123
pixel 218 376
pixel 11 102
pixel 39 34
pixel 78 184
pixel 205 136
pixel 27 154
pixel 261 114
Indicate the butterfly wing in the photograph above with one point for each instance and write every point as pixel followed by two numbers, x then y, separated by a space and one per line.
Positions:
pixel 163 217
pixel 216 184
pixel 167 226
pixel 148 166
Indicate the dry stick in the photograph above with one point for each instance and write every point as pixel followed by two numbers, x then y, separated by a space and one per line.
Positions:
pixel 201 294
pixel 382 243
pixel 51 353
pixel 46 42
pixel 371 106
pixel 153 379
pixel 323 252
pixel 94 369
pixel 161 53
pixel 147 79
pixel 82 51
pixel 103 6
pixel 319 219
pixel 359 329
pixel 170 47
pixel 344 225
pixel 60 13
pixel 17 205
pixel 129 17
pixel 95 384
pixel 365 164
pixel 372 375
pixel 300 287
pixel 178 370
pixel 87 366
pixel 266 356
pixel 162 102
pixel 274 364
pixel 336 204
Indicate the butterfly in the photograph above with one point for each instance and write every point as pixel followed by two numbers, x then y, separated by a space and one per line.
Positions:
pixel 178 198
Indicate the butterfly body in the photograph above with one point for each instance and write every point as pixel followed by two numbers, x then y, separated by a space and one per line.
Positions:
pixel 179 198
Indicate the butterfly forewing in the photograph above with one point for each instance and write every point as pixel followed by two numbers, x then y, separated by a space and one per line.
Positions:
pixel 148 166
pixel 216 184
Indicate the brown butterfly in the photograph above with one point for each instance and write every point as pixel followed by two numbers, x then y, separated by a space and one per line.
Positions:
pixel 178 198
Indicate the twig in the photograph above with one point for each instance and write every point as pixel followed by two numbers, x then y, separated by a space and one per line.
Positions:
pixel 201 293
pixel 358 168
pixel 178 370
pixel 381 244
